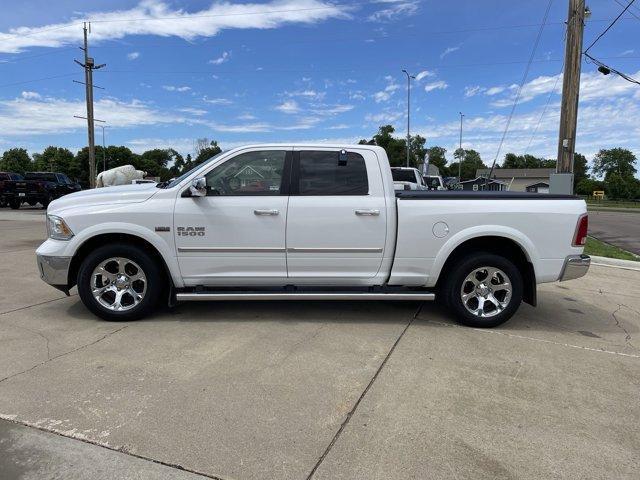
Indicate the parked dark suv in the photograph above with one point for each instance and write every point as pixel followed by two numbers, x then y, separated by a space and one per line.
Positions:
pixel 38 187
pixel 6 177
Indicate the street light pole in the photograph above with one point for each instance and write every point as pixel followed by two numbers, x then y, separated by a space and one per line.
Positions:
pixel 461 151
pixel 409 77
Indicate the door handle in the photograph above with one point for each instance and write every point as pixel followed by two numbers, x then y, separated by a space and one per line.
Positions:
pixel 266 212
pixel 368 213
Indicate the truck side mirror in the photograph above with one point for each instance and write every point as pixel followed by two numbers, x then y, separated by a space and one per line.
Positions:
pixel 198 187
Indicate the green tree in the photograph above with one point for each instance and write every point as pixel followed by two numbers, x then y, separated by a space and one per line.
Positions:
pixel 587 186
pixel 16 160
pixel 396 148
pixel 620 187
pixel 204 153
pixel 511 160
pixel 614 160
pixel 580 169
pixel 470 163
pixel 437 158
pixel 54 159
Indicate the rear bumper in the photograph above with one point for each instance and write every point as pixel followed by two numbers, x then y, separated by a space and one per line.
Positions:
pixel 55 271
pixel 575 266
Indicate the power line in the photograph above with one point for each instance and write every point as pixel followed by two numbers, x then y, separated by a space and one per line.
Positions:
pixel 37 80
pixel 544 110
pixel 522 82
pixel 606 70
pixel 610 25
pixel 630 11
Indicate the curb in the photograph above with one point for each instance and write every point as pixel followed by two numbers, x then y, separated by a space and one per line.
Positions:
pixel 614 262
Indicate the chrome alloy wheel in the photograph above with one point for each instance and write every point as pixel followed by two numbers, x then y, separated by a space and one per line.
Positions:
pixel 486 292
pixel 118 284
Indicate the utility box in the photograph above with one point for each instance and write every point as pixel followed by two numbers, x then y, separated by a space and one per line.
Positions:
pixel 561 183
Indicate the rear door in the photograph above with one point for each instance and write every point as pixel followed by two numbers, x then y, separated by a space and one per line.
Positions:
pixel 336 224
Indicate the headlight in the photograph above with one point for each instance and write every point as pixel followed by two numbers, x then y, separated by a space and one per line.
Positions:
pixel 57 228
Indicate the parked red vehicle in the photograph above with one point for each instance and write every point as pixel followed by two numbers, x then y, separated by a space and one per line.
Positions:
pixel 38 187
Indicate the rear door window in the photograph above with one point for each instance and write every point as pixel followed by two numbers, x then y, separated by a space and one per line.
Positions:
pixel 331 173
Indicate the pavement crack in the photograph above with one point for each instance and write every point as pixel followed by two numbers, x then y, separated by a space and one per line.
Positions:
pixel 363 394
pixel 121 450
pixel 35 332
pixel 627 337
pixel 37 304
pixel 51 359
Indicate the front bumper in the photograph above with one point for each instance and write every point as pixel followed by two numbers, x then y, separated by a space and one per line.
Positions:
pixel 575 266
pixel 55 271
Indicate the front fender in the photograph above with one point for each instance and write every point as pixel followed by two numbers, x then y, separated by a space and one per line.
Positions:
pixel 162 243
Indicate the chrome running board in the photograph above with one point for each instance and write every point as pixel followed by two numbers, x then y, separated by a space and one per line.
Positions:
pixel 224 296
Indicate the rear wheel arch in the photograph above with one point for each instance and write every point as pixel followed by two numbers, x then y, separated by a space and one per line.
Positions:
pixel 497 245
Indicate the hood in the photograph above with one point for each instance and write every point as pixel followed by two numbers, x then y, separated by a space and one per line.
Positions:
pixel 105 196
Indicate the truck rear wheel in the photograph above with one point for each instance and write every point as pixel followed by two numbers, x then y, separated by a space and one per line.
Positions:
pixel 484 290
pixel 14 204
pixel 120 282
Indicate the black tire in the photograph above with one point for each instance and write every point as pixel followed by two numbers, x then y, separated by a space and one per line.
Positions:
pixel 459 273
pixel 45 203
pixel 32 203
pixel 15 204
pixel 153 272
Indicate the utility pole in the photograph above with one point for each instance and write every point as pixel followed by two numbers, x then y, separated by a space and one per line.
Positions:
pixel 562 180
pixel 461 151
pixel 409 77
pixel 89 66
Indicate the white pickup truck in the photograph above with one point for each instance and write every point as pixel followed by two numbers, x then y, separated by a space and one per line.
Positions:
pixel 316 222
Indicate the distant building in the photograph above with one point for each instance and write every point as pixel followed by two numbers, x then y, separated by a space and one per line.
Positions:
pixel 521 179
pixel 481 183
pixel 433 170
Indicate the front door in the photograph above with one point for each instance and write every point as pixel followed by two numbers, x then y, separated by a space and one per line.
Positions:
pixel 337 219
pixel 236 234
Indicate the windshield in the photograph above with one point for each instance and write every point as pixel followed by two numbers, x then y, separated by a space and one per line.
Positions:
pixel 403 176
pixel 48 177
pixel 432 181
pixel 176 181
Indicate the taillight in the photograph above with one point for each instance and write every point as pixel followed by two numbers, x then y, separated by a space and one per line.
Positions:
pixel 580 237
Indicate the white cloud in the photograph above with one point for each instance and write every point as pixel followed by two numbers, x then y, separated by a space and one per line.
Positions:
pixel 246 116
pixel 198 112
pixel 173 88
pixel 424 74
pixel 288 106
pixel 447 51
pixel 33 115
pixel 385 117
pixel 308 93
pixel 439 85
pixel 156 17
pixel 386 94
pixel 631 51
pixel 221 59
pixel 394 10
pixel 217 101
pixel 133 55
pixel 30 95
pixel 472 91
pixel 593 85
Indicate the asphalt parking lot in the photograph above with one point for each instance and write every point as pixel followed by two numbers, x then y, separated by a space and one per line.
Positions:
pixel 335 390
pixel 621 229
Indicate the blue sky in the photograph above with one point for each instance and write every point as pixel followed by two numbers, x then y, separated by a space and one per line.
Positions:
pixel 310 70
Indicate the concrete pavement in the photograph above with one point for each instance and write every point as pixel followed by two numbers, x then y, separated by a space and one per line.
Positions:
pixel 621 229
pixel 317 390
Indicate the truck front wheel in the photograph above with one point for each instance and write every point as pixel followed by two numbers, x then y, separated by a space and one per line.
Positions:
pixel 484 290
pixel 14 204
pixel 120 282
